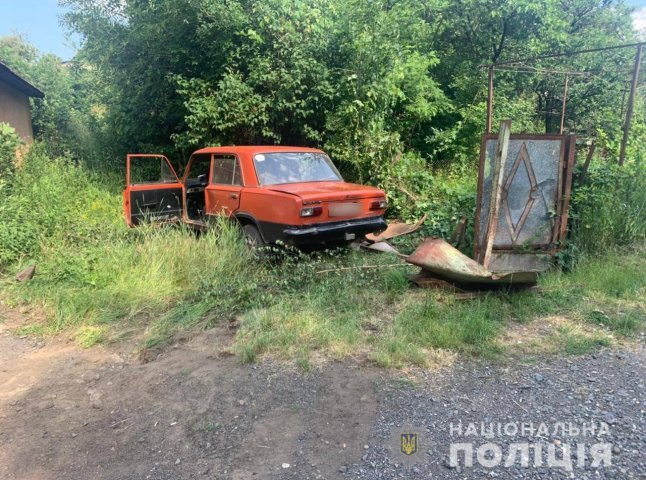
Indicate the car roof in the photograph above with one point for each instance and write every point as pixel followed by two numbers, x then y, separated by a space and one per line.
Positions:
pixel 252 149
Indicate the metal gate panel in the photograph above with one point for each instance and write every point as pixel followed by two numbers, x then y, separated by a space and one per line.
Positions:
pixel 531 192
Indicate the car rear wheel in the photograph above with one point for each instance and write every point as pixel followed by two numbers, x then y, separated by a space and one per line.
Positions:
pixel 252 236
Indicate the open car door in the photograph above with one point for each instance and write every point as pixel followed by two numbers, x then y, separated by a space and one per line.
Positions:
pixel 153 191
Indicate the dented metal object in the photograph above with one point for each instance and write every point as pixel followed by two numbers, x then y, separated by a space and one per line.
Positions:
pixel 438 257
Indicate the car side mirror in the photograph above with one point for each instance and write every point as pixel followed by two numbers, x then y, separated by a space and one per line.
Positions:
pixel 201 180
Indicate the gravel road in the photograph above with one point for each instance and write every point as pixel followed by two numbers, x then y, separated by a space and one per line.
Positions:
pixel 605 392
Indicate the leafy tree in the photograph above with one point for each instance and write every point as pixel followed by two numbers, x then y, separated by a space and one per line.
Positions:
pixel 63 117
pixel 393 89
pixel 474 33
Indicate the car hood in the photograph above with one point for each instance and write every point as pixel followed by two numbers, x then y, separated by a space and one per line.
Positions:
pixel 327 190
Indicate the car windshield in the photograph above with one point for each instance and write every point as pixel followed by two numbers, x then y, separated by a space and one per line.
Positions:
pixel 294 167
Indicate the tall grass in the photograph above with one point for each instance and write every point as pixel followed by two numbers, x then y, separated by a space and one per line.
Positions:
pixel 149 276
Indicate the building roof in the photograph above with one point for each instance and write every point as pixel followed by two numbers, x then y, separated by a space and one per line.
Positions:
pixel 9 77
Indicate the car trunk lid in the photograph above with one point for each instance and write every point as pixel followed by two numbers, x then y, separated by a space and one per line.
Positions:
pixel 327 191
pixel 340 200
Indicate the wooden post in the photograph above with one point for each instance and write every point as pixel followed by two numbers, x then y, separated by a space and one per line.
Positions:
pixel 490 101
pixel 497 178
pixel 567 80
pixel 631 101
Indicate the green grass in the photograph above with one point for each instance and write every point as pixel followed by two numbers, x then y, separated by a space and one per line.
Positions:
pixel 607 291
pixel 582 344
pixel 426 323
pixel 98 282
pixel 318 310
pixel 89 335
pixel 207 427
pixel 608 211
pixel 377 315
pixel 166 281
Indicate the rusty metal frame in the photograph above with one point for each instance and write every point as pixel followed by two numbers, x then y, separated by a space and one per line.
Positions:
pixel 566 190
pixel 563 190
pixel 631 98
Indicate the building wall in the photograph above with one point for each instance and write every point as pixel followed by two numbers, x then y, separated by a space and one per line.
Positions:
pixel 14 110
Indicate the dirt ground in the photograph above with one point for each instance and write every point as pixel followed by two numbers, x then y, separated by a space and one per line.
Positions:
pixel 195 411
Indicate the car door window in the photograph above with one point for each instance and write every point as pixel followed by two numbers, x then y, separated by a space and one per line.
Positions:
pixel 147 169
pixel 200 167
pixel 226 170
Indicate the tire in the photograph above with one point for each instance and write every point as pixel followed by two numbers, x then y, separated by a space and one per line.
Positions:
pixel 252 236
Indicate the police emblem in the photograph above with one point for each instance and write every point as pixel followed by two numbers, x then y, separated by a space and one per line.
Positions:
pixel 408 443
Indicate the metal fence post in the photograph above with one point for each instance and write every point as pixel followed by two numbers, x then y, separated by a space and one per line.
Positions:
pixel 631 101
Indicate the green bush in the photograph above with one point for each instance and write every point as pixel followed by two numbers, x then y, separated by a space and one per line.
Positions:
pixel 9 142
pixel 53 203
pixel 609 209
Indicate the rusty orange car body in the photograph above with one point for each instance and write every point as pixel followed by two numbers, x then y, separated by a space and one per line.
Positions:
pixel 290 194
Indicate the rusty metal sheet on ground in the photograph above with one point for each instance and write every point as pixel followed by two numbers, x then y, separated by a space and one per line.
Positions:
pixel 437 256
pixel 531 191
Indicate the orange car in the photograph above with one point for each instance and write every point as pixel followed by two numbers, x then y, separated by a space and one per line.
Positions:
pixel 289 194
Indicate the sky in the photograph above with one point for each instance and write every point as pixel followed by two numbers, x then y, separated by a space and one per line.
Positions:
pixel 38 21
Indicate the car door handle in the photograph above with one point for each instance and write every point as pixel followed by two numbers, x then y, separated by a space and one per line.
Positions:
pixel 233 195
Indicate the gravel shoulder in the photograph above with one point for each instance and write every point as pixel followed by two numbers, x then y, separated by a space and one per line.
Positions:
pixel 196 412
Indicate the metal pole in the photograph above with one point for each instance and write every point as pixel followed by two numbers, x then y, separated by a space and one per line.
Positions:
pixel 623 99
pixel 588 159
pixel 631 101
pixel 567 80
pixel 490 102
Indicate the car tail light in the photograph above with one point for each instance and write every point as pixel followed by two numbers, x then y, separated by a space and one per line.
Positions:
pixel 311 211
pixel 379 204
